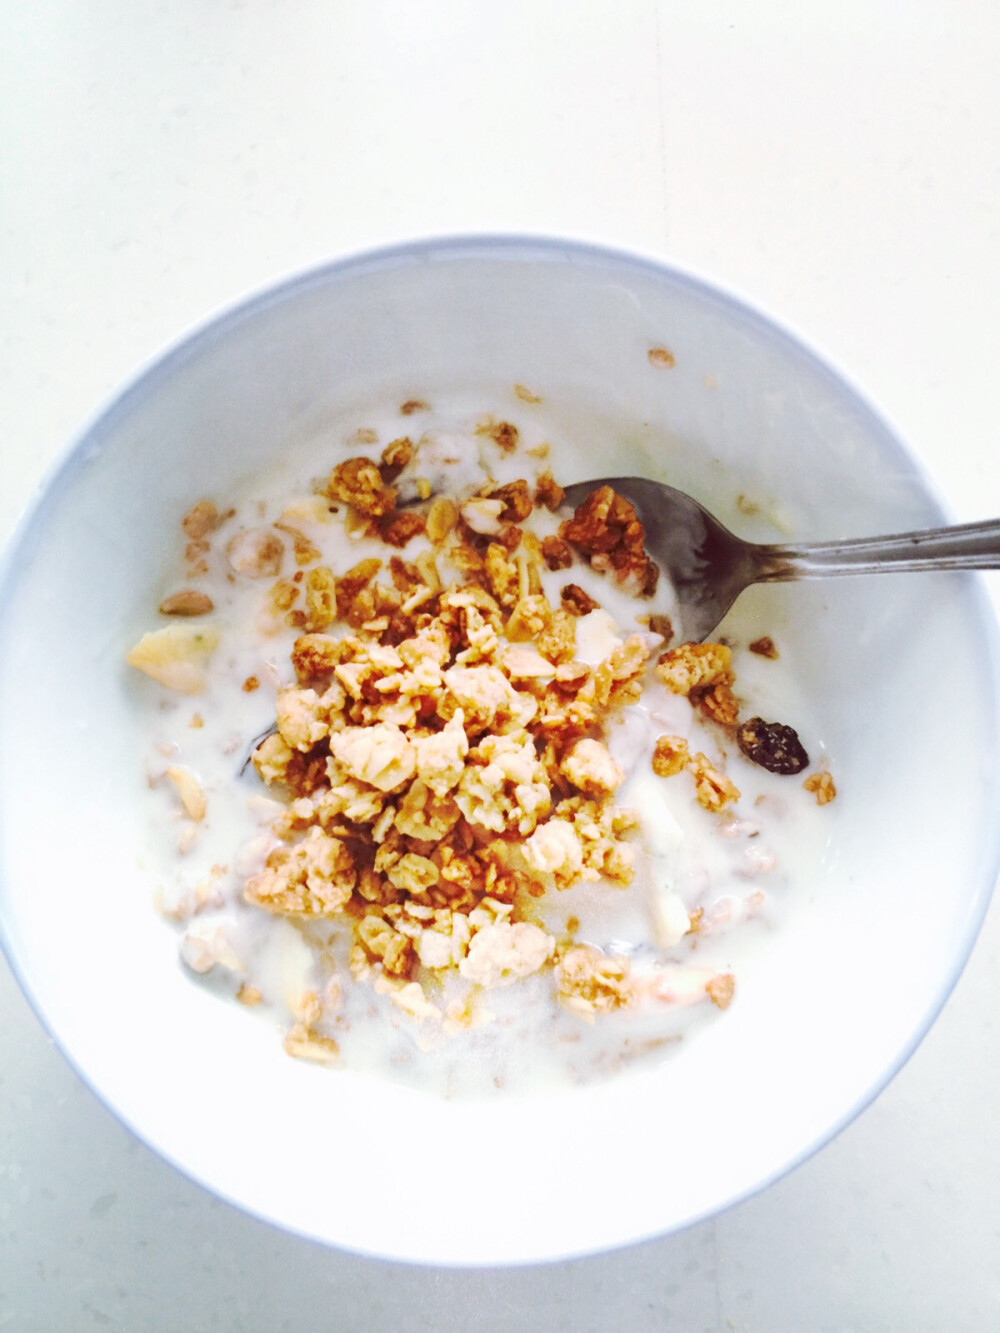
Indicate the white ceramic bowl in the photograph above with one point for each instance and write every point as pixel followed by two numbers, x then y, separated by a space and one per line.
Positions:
pixel 901 671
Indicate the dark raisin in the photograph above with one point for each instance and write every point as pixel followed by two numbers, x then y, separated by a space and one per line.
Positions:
pixel 772 745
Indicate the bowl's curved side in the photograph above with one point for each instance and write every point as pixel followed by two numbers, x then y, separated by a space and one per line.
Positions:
pixel 874 942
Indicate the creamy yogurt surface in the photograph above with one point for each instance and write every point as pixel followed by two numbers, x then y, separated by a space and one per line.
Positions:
pixel 640 860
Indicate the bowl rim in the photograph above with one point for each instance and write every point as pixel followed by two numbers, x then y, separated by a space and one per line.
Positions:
pixel 189 344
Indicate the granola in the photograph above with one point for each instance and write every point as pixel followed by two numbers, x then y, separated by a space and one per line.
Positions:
pixel 453 671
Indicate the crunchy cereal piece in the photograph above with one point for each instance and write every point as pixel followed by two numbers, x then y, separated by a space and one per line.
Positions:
pixel 358 482
pixel 502 575
pixel 662 358
pixel 670 756
pixel 393 950
pixel 588 982
pixel 400 528
pixel 446 942
pixel 441 518
pixel 576 601
pixel 522 663
pixel 413 873
pixel 505 952
pixel 606 527
pixel 525 394
pixel 548 492
pixel 693 666
pixel 380 755
pixel 516 501
pixel 554 849
pixel 425 815
pixel 503 784
pixel 718 702
pixel 772 745
pixel 502 433
pixel 272 757
pixel 413 405
pixel 256 553
pixel 764 647
pixel 557 641
pixel 588 765
pixel 441 755
pixel 315 877
pixel 556 553
pixel 189 790
pixel 482 515
pixel 484 694
pixel 530 617
pixel 176 655
pixel 301 720
pixel 201 519
pixel 316 655
pixel 821 784
pixel 321 601
pixel 713 789
pixel 187 602
pixel 394 458
pixel 720 989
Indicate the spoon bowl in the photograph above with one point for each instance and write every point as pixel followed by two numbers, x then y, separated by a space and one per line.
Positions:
pixel 709 566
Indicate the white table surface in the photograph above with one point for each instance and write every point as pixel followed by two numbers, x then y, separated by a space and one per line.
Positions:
pixel 837 164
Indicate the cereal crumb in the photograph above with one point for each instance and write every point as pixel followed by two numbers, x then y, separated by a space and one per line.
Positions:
pixel 821 784
pixel 720 989
pixel 662 358
pixel 764 647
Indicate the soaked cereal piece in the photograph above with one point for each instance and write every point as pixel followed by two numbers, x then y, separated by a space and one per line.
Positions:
pixel 662 358
pixel 822 786
pixel 720 989
pixel 257 553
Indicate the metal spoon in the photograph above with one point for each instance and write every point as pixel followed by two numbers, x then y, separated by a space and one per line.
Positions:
pixel 709 567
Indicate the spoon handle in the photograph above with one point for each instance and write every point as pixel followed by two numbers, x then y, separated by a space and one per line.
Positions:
pixel 966 546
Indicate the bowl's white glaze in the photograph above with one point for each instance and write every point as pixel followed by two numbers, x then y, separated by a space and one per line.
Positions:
pixel 902 670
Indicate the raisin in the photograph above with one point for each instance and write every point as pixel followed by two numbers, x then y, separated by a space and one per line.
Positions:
pixel 772 745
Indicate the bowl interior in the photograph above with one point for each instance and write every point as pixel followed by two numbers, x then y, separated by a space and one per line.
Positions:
pixel 873 941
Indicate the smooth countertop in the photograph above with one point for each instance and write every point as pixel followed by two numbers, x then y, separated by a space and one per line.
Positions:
pixel 839 166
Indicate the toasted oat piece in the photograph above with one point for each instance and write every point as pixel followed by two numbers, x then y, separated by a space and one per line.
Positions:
pixel 588 765
pixel 822 786
pixel 670 756
pixel 720 989
pixel 713 789
pixel 693 666
pixel 358 482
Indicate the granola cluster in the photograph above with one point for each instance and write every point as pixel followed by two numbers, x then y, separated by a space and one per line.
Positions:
pixel 442 752
pixel 441 757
